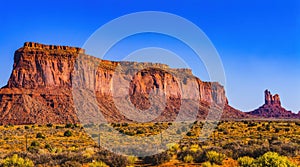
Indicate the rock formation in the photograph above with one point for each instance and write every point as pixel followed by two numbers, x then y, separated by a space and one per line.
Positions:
pixel 273 109
pixel 272 100
pixel 41 89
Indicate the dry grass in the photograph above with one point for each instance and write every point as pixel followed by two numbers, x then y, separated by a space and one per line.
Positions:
pixel 241 133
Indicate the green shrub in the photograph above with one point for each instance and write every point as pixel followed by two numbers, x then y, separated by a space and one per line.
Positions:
pixel 35 144
pixel 157 159
pixel 76 125
pixel 68 133
pixel 34 147
pixel 246 161
pixel 252 124
pixel 97 164
pixel 208 164
pixel 49 147
pixel 198 156
pixel 69 125
pixel 129 133
pixel 111 159
pixel 272 159
pixel 190 134
pixel 33 150
pixel 215 157
pixel 58 127
pixel 194 148
pixel 173 147
pixel 139 131
pixel 16 161
pixel 188 159
pixel 132 159
pixel 40 135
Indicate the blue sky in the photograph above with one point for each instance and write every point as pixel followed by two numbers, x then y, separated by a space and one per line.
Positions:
pixel 258 41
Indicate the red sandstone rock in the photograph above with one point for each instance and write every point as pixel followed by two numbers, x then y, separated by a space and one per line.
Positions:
pixel 273 109
pixel 40 89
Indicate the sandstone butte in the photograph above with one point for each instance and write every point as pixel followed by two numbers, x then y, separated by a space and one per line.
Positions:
pixel 62 84
pixel 273 109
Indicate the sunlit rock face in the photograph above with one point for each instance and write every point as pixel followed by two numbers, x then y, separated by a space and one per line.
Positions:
pixel 273 109
pixel 41 85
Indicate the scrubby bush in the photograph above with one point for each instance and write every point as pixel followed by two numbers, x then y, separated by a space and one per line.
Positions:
pixel 289 149
pixel 68 133
pixel 188 159
pixel 58 127
pixel 97 164
pixel 254 151
pixel 40 135
pixel 173 148
pixel 252 124
pixel 208 164
pixel 132 159
pixel 272 159
pixel 76 125
pixel 194 148
pixel 246 161
pixel 215 157
pixel 48 147
pixel 33 150
pixel 69 125
pixel 198 156
pixel 157 159
pixel 71 164
pixel 35 144
pixel 139 131
pixel 34 147
pixel 111 159
pixel 232 146
pixel 257 152
pixel 16 161
pixel 190 134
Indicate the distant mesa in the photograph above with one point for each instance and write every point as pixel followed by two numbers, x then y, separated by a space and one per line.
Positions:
pixel 273 109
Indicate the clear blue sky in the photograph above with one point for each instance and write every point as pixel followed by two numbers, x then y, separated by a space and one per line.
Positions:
pixel 258 41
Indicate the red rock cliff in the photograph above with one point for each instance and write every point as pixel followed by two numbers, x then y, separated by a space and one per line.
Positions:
pixel 40 87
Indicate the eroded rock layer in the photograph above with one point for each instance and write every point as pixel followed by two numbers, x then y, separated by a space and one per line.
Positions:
pixel 57 84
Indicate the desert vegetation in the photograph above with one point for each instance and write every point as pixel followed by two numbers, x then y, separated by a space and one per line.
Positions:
pixel 233 143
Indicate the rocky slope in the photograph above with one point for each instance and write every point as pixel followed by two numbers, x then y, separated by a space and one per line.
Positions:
pixel 273 109
pixel 60 84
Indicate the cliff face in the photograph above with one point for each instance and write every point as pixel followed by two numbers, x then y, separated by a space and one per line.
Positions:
pixel 273 109
pixel 40 87
pixel 37 65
